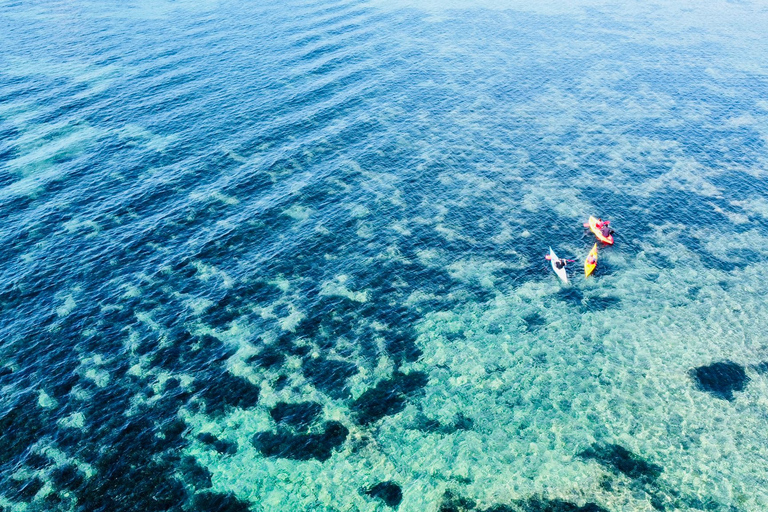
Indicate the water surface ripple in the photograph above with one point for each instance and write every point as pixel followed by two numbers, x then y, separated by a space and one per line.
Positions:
pixel 289 256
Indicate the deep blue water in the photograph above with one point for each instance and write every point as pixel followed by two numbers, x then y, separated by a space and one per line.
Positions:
pixel 290 256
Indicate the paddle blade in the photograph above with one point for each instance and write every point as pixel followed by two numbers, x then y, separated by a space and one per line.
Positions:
pixel 548 257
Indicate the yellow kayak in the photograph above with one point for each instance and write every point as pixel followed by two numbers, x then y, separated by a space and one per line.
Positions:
pixel 591 261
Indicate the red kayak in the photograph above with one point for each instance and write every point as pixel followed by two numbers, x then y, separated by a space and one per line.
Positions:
pixel 596 230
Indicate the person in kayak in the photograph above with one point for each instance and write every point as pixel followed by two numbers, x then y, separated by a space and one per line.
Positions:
pixel 561 263
pixel 591 259
pixel 602 225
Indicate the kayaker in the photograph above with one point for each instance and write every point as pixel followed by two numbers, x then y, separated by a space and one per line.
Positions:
pixel 561 263
pixel 591 260
pixel 603 227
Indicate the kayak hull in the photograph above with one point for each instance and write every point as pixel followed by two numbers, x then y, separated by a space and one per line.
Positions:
pixel 559 271
pixel 593 226
pixel 589 267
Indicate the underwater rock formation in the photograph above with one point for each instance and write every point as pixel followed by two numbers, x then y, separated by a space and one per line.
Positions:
pixel 224 390
pixel 222 446
pixel 429 425
pixel 297 415
pixel 388 492
pixel 601 303
pixel 270 357
pixel 401 346
pixel 219 503
pixel 534 321
pixel 388 397
pixel 454 503
pixel 620 460
pixel 556 505
pixel 284 444
pixel 330 375
pixel 67 477
pixel 720 379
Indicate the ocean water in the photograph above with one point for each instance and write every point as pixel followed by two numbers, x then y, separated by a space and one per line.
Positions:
pixel 289 256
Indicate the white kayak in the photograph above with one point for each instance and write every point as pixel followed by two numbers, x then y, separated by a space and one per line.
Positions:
pixel 559 271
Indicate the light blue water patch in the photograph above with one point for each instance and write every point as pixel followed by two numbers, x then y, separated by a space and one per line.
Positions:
pixel 291 256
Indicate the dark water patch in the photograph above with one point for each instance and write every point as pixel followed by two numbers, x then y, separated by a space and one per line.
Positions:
pixel 720 379
pixel 266 227
pixel 480 294
pixel 196 476
pixel 429 425
pixel 67 477
pixel 281 382
pixel 133 474
pixel 223 390
pixel 228 309
pixel 537 504
pixel 393 314
pixel 169 357
pixel 570 295
pixel 401 346
pixel 54 501
pixel 660 261
pixel 329 375
pixel 452 502
pixel 255 183
pixel 740 185
pixel 284 444
pixel 383 400
pixel 218 502
pixel 534 321
pixel 73 438
pixel 257 291
pixel 713 262
pixel 610 199
pixel 601 303
pixel 22 425
pixel 36 460
pixel 462 422
pixel 431 280
pixel 388 397
pixel 426 424
pixel 23 490
pixel 171 386
pixel 297 415
pixel 197 354
pixel 286 344
pixel 620 460
pixel 223 446
pixel 388 492
pixel 270 357
pixel 331 318
pixel 702 503
pixel 5 371
pixel 427 237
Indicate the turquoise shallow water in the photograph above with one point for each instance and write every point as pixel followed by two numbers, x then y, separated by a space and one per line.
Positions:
pixel 290 256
